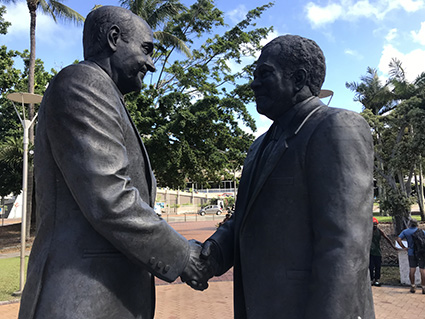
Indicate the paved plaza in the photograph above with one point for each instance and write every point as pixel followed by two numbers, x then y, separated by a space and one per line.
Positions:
pixel 179 301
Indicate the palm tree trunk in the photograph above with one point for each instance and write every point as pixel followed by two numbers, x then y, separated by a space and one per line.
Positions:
pixel 32 6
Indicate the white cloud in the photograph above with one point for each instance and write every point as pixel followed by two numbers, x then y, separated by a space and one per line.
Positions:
pixel 411 5
pixel 19 16
pixel 353 53
pixel 392 34
pixel 361 9
pixel 419 36
pixel 413 62
pixel 319 16
pixel 351 10
pixel 237 14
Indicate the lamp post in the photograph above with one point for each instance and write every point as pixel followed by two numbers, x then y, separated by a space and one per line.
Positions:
pixel 24 98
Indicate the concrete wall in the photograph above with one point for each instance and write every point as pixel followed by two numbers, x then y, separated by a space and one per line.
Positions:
pixel 403 263
pixel 180 202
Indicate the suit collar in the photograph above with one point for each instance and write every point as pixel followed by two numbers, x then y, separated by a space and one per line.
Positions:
pixel 99 68
pixel 292 121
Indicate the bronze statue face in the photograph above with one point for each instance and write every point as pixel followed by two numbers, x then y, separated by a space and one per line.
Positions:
pixel 132 58
pixel 273 85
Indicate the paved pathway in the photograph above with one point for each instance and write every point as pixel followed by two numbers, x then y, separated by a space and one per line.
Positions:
pixel 178 301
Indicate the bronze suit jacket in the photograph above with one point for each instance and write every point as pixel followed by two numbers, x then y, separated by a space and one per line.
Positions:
pixel 299 238
pixel 98 241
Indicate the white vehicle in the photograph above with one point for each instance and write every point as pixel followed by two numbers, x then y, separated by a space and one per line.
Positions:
pixel 157 209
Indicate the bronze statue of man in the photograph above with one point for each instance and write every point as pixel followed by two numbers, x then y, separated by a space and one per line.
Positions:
pixel 99 243
pixel 300 235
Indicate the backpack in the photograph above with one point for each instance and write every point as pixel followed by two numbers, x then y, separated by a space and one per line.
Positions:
pixel 419 243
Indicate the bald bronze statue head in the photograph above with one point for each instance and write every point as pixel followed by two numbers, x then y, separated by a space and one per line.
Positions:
pixel 121 43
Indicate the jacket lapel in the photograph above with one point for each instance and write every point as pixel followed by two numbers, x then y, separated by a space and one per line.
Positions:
pixel 305 110
pixel 150 178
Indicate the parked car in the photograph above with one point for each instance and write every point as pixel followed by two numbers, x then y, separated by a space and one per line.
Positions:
pixel 211 209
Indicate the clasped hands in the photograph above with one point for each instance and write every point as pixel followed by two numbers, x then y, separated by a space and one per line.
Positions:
pixel 201 265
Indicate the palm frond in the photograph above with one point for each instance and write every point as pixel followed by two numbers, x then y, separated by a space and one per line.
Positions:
pixel 66 12
pixel 396 70
pixel 420 80
pixel 11 150
pixel 47 9
pixel 166 11
pixel 168 39
pixel 96 6
pixel 56 9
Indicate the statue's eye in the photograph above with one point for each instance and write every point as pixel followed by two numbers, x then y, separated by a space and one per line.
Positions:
pixel 147 48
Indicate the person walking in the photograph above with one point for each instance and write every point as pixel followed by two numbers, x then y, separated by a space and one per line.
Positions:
pixel 414 261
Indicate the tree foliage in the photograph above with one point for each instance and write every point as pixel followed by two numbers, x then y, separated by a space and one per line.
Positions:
pixel 396 113
pixel 3 24
pixel 157 13
pixel 190 114
pixel 11 144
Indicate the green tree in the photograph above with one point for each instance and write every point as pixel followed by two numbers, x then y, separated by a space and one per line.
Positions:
pixel 11 153
pixel 398 138
pixel 371 93
pixel 56 9
pixel 157 13
pixel 10 78
pixel 190 115
pixel 3 24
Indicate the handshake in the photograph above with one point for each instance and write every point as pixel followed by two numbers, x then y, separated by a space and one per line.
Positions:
pixel 203 264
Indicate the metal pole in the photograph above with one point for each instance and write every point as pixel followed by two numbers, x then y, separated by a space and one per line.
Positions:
pixel 24 98
pixel 3 212
pixel 234 183
pixel 26 124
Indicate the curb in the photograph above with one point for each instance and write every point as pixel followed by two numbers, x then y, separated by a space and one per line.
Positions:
pixel 7 302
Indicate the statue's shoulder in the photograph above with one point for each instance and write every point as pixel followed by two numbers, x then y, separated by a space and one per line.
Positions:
pixel 341 121
pixel 341 114
pixel 79 71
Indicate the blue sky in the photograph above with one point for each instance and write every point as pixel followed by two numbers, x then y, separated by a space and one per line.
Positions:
pixel 352 34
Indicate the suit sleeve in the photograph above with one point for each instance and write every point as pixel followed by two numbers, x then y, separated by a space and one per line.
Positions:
pixel 86 134
pixel 339 165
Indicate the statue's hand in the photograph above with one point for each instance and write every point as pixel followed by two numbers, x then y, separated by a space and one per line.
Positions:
pixel 197 271
pixel 209 253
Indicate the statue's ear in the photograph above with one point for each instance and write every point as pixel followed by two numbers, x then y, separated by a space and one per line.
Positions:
pixel 113 36
pixel 300 78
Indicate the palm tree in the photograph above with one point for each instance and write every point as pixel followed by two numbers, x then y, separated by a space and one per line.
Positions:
pixel 371 93
pixel 157 13
pixel 56 9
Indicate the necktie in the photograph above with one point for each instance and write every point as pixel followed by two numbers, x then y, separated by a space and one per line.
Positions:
pixel 268 145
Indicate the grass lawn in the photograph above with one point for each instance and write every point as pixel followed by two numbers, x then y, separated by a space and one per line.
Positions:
pixel 9 274
pixel 390 276
pixel 383 219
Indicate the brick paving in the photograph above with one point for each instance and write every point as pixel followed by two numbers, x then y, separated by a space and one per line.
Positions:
pixel 178 301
